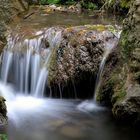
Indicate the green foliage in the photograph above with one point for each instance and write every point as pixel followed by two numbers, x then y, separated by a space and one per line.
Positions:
pixel 53 1
pixel 125 3
pixel 3 137
pixel 127 43
pixel 68 2
pixel 89 5
pixel 118 96
pixel 43 2
pixel 85 4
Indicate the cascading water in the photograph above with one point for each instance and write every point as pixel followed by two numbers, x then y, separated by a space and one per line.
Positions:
pixel 109 44
pixel 24 76
pixel 25 61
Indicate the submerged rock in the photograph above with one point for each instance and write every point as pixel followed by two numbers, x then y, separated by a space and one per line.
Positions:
pixel 72 131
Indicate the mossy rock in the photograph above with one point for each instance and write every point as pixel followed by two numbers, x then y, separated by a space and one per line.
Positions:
pixel 117 6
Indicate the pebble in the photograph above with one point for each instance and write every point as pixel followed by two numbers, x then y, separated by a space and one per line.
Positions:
pixel 72 131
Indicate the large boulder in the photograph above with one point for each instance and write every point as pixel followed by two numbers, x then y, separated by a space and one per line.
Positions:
pixel 121 87
pixel 74 64
pixel 129 106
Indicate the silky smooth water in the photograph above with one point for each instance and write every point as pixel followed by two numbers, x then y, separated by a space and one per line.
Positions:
pixel 54 119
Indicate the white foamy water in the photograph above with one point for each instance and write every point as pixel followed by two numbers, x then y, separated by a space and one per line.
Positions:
pixel 25 61
pixel 89 106
pixel 23 108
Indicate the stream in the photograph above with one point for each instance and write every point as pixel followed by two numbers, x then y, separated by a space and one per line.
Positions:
pixel 34 117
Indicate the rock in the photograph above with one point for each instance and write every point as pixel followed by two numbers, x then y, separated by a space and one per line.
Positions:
pixel 8 10
pixel 121 87
pixel 55 124
pixel 76 60
pixel 3 111
pixel 128 108
pixel 72 132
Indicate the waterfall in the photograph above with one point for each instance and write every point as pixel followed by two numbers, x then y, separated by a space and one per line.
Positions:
pixel 6 64
pixel 25 61
pixel 109 45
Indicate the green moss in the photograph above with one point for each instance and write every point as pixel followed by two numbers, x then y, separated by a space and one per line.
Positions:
pixel 112 89
pixel 125 3
pixel 137 76
pixel 3 137
pixel 105 96
pixel 101 27
pixel 134 66
pixel 69 2
pixel 118 96
pixel 124 43
pixel 117 5
pixel 118 78
pixel 89 5
pixel 43 2
pixel 52 65
pixel 98 27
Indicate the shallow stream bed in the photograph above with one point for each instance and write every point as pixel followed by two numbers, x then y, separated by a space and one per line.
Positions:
pixel 61 120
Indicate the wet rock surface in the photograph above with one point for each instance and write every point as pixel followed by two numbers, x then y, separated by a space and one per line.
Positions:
pixel 128 108
pixel 74 64
pixel 75 56
pixel 122 85
pixel 8 10
pixel 3 112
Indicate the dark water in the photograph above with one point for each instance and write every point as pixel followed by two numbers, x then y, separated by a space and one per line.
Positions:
pixel 63 121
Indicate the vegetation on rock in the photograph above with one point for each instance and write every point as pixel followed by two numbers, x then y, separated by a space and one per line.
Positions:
pixel 123 81
pixel 117 6
pixel 79 55
pixel 3 137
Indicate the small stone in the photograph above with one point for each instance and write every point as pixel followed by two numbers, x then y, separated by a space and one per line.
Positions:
pixel 138 10
pixel 72 131
pixel 137 2
pixel 53 6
